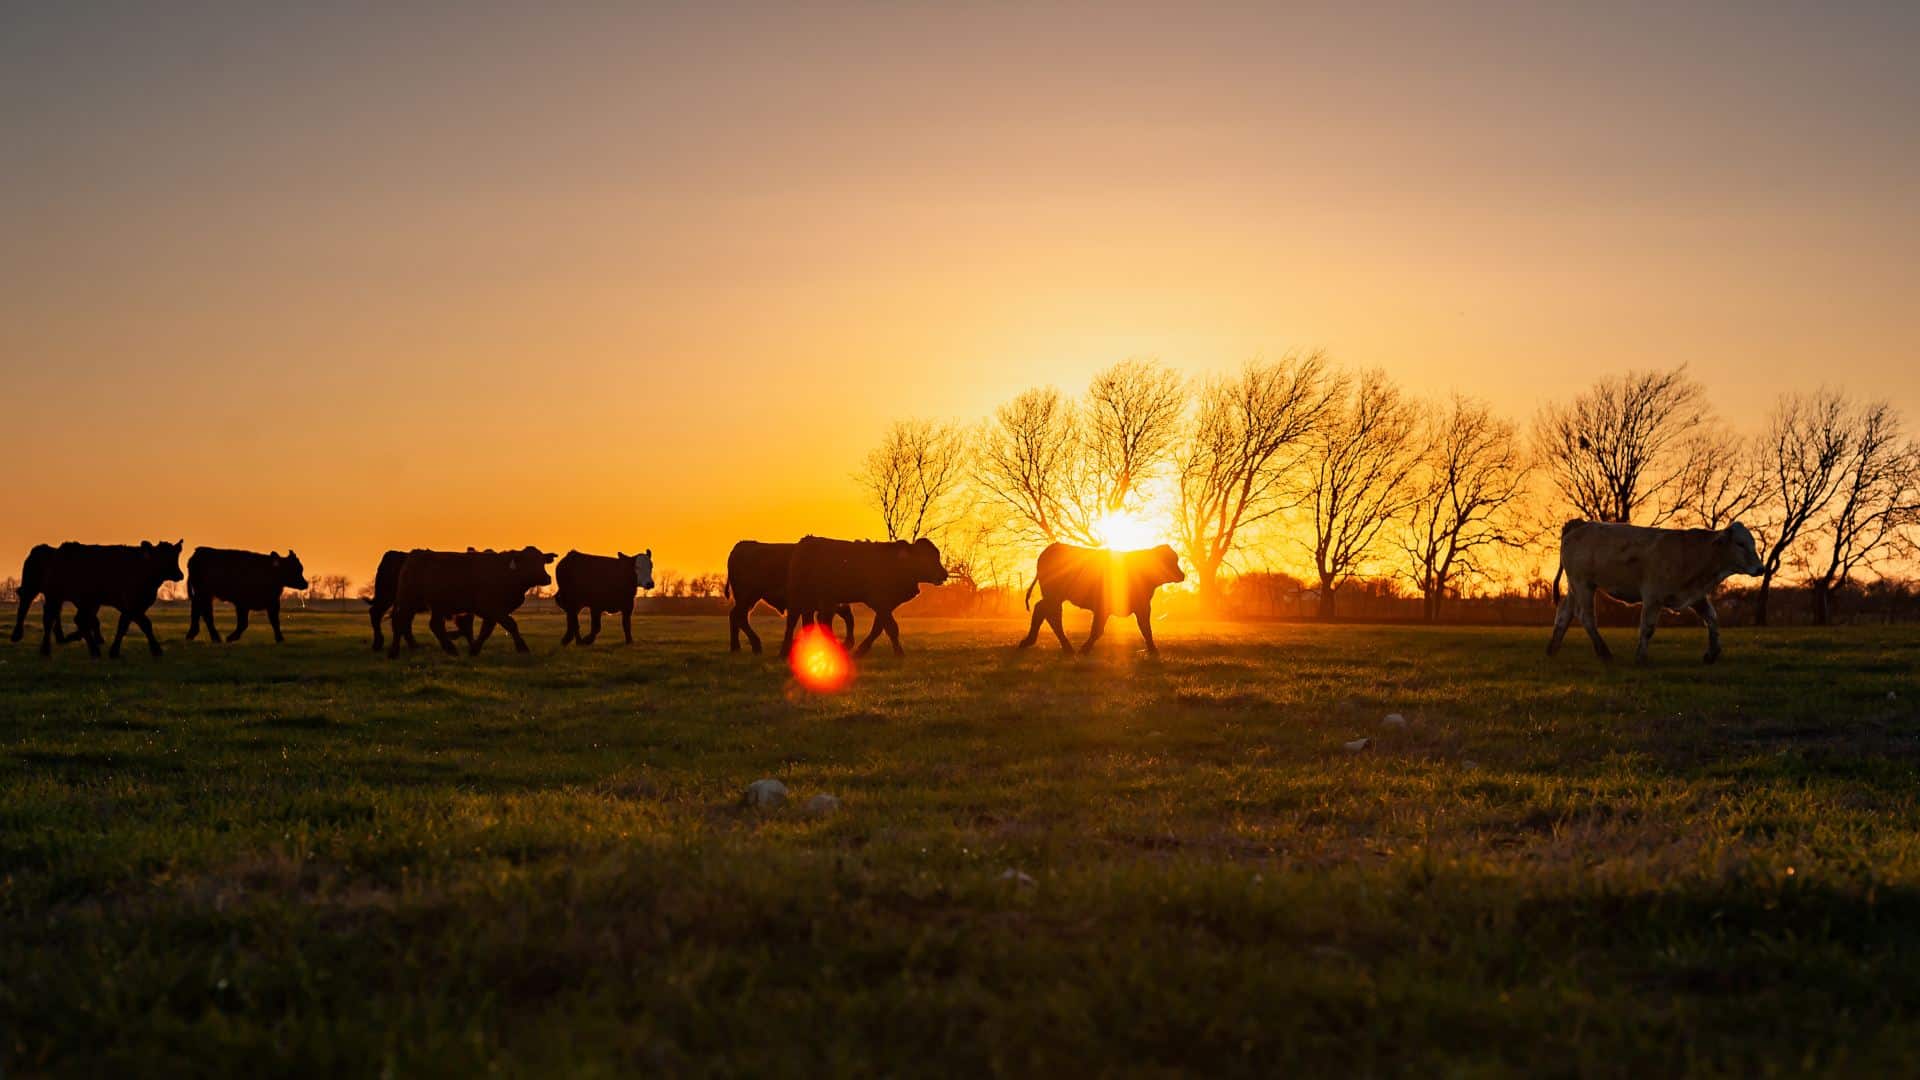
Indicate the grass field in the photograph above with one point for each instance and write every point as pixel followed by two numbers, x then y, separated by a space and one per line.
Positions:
pixel 306 858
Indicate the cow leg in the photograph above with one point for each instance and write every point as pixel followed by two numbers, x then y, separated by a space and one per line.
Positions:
pixel 846 612
pixel 1703 607
pixel 793 623
pixel 1585 599
pixel 1144 619
pixel 402 631
pixel 374 613
pixel 1056 618
pixel 1099 627
pixel 437 623
pixel 239 623
pixel 473 644
pixel 1561 620
pixel 1649 619
pixel 626 623
pixel 893 633
pixel 86 621
pixel 573 626
pixel 273 620
pixel 513 631
pixel 743 624
pixel 119 635
pixel 1033 630
pixel 146 627
pixel 49 624
pixel 879 625
pixel 193 616
pixel 593 624
pixel 463 622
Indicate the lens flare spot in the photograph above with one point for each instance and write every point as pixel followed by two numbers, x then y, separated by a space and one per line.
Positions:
pixel 819 662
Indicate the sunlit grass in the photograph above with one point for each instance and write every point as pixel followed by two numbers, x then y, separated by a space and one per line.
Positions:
pixel 308 858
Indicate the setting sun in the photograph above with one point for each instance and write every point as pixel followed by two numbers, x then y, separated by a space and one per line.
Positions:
pixel 1124 530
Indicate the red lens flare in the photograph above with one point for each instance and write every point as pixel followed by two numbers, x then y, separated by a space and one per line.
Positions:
pixel 819 661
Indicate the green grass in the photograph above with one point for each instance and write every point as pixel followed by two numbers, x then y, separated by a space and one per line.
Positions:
pixel 309 859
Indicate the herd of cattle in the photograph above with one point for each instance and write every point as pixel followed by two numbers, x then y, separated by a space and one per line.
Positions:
pixel 815 580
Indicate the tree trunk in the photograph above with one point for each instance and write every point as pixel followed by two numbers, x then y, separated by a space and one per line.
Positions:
pixel 1326 598
pixel 1209 587
pixel 1822 603
pixel 1430 606
pixel 1760 606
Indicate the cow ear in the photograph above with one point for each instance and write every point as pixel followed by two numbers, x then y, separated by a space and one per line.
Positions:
pixel 276 558
pixel 512 563
pixel 623 555
pixel 550 556
pixel 649 553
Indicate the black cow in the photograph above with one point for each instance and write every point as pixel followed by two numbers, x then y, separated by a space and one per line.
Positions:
pixel 1105 582
pixel 757 571
pixel 600 584
pixel 386 585
pixel 90 576
pixel 826 575
pixel 490 584
pixel 248 580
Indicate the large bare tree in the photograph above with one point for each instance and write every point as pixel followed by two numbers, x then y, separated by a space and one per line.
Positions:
pixel 1876 506
pixel 1358 467
pixel 1806 440
pixel 913 475
pixel 1239 464
pixel 1029 464
pixel 1464 502
pixel 1726 478
pixel 1619 451
pixel 1129 423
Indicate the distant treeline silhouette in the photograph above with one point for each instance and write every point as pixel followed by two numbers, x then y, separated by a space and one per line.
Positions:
pixel 1373 497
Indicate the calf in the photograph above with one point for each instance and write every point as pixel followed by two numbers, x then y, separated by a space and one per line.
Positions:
pixel 119 576
pixel 386 585
pixel 1105 582
pixel 600 584
pixel 757 572
pixel 1674 569
pixel 824 576
pixel 489 584
pixel 248 580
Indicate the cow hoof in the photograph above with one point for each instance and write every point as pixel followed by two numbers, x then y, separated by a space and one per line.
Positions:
pixel 1710 658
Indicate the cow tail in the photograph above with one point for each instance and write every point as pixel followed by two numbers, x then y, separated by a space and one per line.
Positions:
pixel 28 589
pixel 1558 572
pixel 1028 599
pixel 728 591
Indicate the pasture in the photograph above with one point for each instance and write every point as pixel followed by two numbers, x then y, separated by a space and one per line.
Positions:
pixel 309 859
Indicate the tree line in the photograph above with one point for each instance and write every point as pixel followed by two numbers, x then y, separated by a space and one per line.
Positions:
pixel 1345 476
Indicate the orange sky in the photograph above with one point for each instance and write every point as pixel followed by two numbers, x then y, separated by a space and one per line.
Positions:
pixel 347 282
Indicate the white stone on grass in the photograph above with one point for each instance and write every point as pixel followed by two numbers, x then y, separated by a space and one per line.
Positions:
pixel 1394 719
pixel 766 794
pixel 1018 877
pixel 1356 745
pixel 822 804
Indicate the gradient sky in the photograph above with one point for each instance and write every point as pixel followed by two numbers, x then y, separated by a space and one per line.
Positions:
pixel 353 279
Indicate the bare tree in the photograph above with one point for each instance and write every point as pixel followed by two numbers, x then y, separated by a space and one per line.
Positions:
pixel 1878 501
pixel 1806 440
pixel 1359 464
pixel 912 477
pixel 1619 451
pixel 1240 462
pixel 9 590
pixel 1129 424
pixel 1028 463
pixel 1726 478
pixel 1466 491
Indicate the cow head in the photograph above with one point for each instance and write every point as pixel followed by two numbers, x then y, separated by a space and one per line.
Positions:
pixel 163 559
pixel 1738 553
pixel 642 568
pixel 290 573
pixel 1161 566
pixel 921 561
pixel 529 566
